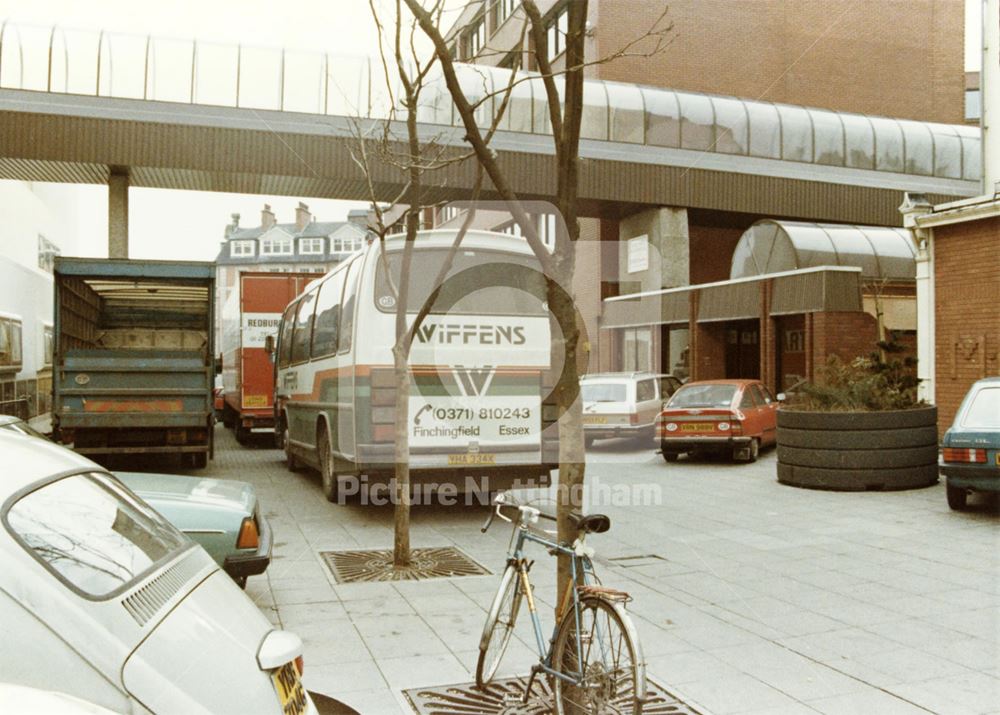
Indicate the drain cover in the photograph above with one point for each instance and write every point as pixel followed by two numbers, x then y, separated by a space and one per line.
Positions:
pixel 376 565
pixel 504 698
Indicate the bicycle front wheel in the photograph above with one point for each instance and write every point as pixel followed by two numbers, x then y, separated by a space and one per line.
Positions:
pixel 499 626
pixel 604 658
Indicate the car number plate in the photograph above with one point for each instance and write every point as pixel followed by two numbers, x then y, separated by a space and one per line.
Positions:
pixel 467 459
pixel 594 420
pixel 697 427
pixel 291 694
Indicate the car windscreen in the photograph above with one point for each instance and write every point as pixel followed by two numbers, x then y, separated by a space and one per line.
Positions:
pixel 95 536
pixel 984 410
pixel 703 396
pixel 603 391
pixel 480 282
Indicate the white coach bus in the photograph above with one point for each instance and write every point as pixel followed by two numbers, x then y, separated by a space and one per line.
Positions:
pixel 479 363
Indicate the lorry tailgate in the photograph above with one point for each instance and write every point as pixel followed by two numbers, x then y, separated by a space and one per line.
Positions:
pixel 128 388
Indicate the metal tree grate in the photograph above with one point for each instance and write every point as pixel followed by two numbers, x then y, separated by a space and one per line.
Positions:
pixel 503 697
pixel 376 565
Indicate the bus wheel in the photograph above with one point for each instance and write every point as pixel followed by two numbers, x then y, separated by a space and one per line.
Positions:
pixel 327 467
pixel 290 460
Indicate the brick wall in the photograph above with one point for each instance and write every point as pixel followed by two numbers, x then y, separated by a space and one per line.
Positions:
pixel 845 334
pixel 709 352
pixel 901 58
pixel 711 252
pixel 967 310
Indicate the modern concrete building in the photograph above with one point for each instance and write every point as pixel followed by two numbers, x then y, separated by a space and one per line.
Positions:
pixel 303 246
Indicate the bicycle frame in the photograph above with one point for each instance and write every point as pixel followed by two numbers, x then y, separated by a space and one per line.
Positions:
pixel 580 568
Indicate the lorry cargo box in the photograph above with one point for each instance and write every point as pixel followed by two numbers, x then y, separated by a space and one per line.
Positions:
pixel 133 357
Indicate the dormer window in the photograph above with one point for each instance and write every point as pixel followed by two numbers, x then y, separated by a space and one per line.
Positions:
pixel 310 246
pixel 276 247
pixel 241 248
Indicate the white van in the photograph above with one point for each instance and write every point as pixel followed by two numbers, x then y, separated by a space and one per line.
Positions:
pixel 622 404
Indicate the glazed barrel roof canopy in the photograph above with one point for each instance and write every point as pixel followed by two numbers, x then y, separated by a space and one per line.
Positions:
pixel 771 246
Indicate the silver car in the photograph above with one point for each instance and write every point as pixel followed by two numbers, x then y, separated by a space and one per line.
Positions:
pixel 623 404
pixel 104 598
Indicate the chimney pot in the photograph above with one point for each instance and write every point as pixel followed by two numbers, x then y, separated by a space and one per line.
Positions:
pixel 267 217
pixel 302 216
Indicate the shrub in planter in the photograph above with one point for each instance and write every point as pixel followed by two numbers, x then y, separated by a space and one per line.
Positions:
pixel 859 427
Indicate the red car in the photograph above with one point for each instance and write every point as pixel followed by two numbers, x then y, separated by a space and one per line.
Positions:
pixel 734 416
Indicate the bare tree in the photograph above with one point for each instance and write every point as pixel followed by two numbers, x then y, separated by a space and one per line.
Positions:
pixel 565 116
pixel 413 156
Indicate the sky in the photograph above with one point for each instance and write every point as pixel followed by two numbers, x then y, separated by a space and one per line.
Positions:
pixel 189 225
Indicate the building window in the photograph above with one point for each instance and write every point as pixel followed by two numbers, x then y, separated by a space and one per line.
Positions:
pixel 10 344
pixel 972 105
pixel 637 349
pixel 48 345
pixel 240 248
pixel 447 213
pixel 276 247
pixel 558 27
pixel 547 230
pixel 344 245
pixel 310 245
pixel 47 252
pixel 476 39
pixel 502 9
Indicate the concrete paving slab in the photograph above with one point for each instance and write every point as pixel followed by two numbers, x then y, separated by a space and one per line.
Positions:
pixel 771 599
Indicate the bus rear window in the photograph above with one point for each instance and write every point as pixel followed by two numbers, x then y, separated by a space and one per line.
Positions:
pixel 91 533
pixel 480 282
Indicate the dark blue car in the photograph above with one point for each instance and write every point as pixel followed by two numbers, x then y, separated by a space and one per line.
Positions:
pixel 970 449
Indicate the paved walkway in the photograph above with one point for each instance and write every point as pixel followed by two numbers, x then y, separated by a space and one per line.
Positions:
pixel 757 598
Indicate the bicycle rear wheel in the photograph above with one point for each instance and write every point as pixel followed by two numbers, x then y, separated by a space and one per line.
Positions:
pixel 499 626
pixel 613 677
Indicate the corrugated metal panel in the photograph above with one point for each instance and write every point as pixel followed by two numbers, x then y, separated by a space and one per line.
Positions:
pixel 816 291
pixel 733 301
pixel 843 291
pixel 671 307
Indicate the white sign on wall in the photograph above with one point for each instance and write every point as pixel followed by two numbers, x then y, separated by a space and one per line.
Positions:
pixel 638 253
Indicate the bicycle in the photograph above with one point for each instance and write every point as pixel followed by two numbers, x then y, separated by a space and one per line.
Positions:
pixel 593 659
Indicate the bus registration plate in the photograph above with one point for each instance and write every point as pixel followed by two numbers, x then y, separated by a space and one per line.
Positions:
pixel 471 459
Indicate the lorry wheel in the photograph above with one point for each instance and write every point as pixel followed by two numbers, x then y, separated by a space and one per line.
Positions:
pixel 199 460
pixel 241 434
pixel 670 456
pixel 327 467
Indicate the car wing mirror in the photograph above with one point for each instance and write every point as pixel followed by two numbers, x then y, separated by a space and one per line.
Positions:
pixel 269 347
pixel 782 397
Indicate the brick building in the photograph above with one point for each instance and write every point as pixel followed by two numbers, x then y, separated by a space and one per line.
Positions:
pixel 960 287
pixel 730 69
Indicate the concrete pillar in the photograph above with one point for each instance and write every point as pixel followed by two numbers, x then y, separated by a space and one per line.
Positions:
pixel 118 213
pixel 914 206
pixel 654 250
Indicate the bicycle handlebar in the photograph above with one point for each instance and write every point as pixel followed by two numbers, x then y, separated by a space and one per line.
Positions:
pixel 525 513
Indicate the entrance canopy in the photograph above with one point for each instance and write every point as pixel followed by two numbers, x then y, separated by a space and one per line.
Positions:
pixel 771 246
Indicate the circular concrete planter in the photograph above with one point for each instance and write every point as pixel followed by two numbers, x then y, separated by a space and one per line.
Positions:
pixel 858 451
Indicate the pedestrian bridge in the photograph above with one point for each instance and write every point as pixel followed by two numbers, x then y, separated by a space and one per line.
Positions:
pixel 80 106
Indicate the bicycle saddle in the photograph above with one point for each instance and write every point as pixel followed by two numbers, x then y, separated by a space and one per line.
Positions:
pixel 591 523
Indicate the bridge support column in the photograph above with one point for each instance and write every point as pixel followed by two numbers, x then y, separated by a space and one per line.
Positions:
pixel 118 213
pixel 654 250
